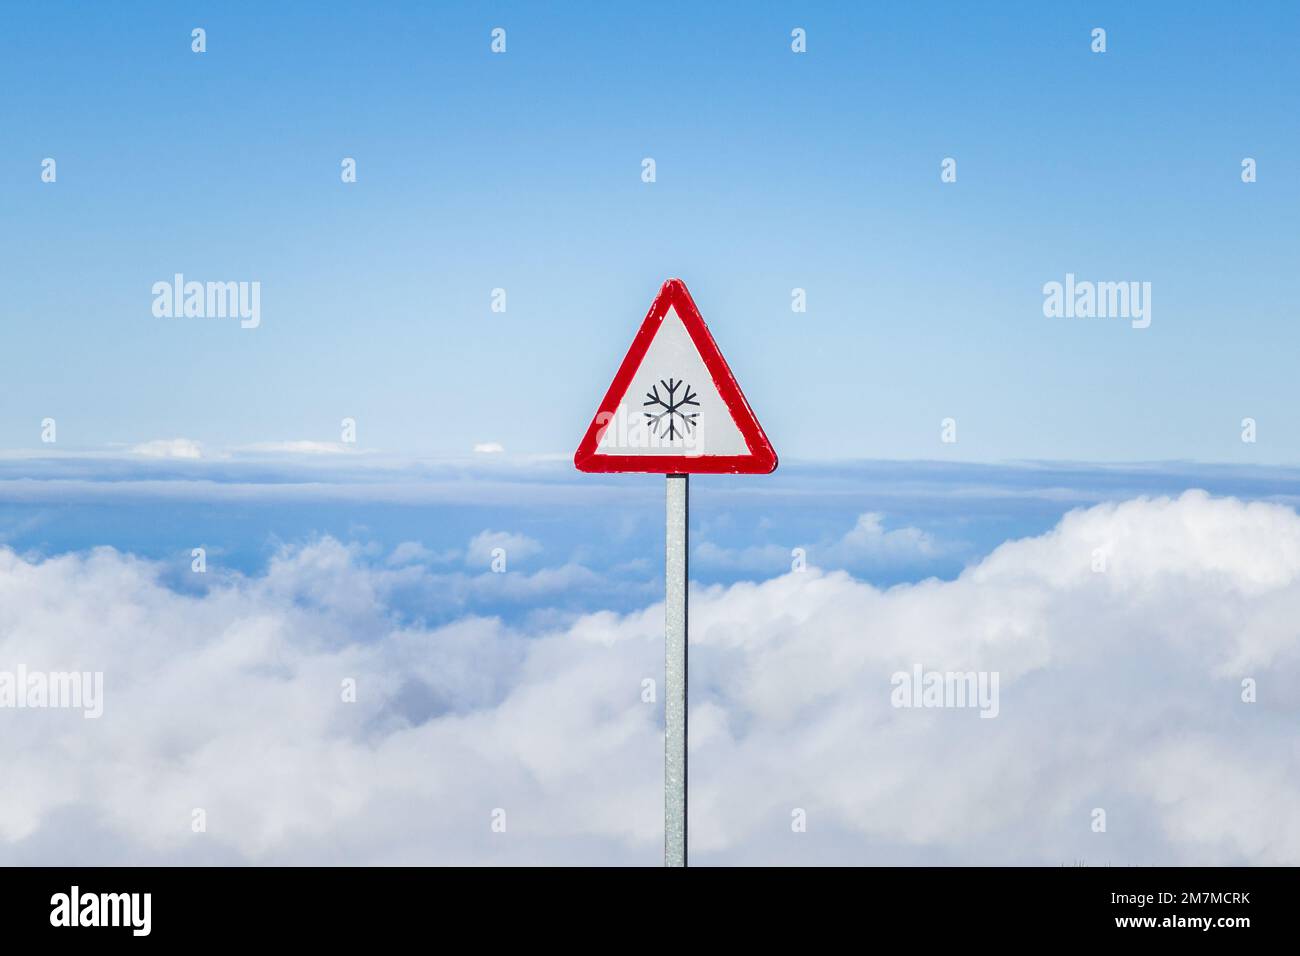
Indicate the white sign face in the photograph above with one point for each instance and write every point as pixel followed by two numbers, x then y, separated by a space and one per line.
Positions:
pixel 672 406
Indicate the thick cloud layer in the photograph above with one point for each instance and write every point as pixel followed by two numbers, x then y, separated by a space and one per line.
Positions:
pixel 1121 640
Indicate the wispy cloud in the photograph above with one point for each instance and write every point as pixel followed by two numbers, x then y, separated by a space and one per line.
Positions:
pixel 866 544
pixel 169 448
pixel 302 447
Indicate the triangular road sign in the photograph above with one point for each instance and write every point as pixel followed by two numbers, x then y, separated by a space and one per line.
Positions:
pixel 674 406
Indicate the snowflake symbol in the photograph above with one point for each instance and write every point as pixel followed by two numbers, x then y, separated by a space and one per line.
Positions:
pixel 665 424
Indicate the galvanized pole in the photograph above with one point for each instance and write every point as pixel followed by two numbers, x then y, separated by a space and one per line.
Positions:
pixel 675 577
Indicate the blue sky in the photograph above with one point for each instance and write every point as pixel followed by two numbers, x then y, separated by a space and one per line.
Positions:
pixel 774 171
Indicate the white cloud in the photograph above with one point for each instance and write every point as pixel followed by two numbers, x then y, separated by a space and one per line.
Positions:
pixel 413 552
pixel 869 540
pixel 489 448
pixel 516 547
pixel 1118 690
pixel 169 448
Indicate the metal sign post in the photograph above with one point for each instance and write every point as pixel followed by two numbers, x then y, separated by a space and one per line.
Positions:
pixel 675 652
pixel 675 409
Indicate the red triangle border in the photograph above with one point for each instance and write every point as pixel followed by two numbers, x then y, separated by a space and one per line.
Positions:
pixel 761 459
